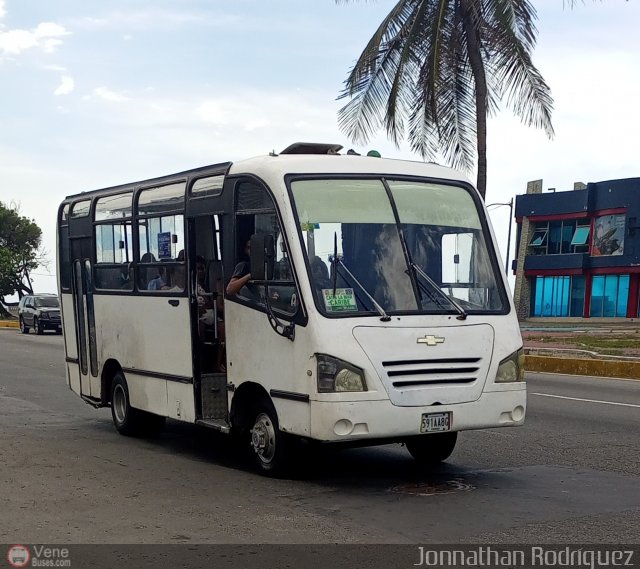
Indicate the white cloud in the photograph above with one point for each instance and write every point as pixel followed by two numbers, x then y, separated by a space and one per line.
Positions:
pixel 58 68
pixel 259 123
pixel 45 36
pixel 3 11
pixel 160 18
pixel 66 86
pixel 108 95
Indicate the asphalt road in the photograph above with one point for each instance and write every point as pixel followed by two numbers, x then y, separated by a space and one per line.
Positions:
pixel 571 474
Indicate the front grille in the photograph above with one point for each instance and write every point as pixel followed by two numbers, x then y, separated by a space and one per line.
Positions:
pixel 449 371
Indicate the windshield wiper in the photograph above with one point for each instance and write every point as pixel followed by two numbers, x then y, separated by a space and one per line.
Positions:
pixel 336 260
pixel 462 314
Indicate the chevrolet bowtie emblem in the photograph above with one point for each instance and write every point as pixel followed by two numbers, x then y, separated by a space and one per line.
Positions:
pixel 431 340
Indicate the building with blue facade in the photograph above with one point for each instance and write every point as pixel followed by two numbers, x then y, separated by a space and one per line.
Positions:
pixel 578 252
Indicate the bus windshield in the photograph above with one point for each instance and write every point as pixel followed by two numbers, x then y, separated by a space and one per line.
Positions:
pixel 424 251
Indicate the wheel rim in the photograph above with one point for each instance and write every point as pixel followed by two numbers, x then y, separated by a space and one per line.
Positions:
pixel 263 438
pixel 21 325
pixel 119 404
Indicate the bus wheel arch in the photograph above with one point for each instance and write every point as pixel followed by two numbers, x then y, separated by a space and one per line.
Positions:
pixel 243 405
pixel 255 418
pixel 109 370
pixel 128 420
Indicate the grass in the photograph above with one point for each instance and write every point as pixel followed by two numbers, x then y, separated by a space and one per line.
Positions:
pixel 605 344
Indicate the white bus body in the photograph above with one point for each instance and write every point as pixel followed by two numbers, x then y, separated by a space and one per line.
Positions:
pixel 367 368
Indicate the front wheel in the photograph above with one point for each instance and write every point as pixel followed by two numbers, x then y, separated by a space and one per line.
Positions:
pixel 37 327
pixel 432 449
pixel 23 327
pixel 270 446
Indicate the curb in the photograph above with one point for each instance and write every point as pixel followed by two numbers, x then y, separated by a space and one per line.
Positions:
pixel 9 324
pixel 572 366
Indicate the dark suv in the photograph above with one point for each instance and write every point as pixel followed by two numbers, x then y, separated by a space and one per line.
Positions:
pixel 40 312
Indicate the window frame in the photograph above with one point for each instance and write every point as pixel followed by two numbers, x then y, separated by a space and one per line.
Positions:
pixel 298 317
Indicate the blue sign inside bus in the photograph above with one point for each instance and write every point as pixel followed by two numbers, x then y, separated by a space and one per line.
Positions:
pixel 164 245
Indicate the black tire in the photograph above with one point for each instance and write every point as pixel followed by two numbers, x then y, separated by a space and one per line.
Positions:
pixel 432 449
pixel 270 447
pixel 23 327
pixel 127 420
pixel 37 328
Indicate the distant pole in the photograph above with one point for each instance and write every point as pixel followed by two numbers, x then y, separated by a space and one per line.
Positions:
pixel 509 234
pixel 510 204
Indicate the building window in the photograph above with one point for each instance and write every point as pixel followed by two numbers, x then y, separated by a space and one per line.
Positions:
pixel 560 238
pixel 559 296
pixel 609 296
pixel 539 238
pixel 581 237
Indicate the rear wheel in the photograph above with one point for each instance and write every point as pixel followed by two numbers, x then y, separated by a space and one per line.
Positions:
pixel 129 421
pixel 37 327
pixel 125 418
pixel 23 327
pixel 432 449
pixel 269 445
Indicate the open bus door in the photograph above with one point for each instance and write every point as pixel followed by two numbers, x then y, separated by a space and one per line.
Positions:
pixel 206 284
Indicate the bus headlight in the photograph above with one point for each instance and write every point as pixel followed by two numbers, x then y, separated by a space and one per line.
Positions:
pixel 511 368
pixel 337 375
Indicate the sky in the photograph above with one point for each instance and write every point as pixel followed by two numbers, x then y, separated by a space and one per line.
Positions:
pixel 100 93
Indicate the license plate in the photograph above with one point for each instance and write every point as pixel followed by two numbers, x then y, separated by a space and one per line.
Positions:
pixel 435 422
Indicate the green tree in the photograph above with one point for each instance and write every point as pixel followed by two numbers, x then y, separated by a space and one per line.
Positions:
pixel 20 253
pixel 434 70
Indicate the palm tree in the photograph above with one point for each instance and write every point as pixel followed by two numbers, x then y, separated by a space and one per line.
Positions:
pixel 437 68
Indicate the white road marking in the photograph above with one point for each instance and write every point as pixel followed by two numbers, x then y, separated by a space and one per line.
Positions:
pixel 587 400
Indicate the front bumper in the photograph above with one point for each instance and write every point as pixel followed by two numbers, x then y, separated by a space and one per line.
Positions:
pixel 362 420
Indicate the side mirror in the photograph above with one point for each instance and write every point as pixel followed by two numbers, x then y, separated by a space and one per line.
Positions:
pixel 262 257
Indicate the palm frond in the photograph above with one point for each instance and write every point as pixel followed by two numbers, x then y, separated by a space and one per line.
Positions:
pixel 443 116
pixel 528 95
pixel 370 81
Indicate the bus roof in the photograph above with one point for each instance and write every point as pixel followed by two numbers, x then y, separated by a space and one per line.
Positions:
pixel 283 164
pixel 279 165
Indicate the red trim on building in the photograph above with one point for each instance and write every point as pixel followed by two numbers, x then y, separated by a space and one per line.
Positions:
pixel 614 270
pixel 552 272
pixel 634 291
pixel 612 211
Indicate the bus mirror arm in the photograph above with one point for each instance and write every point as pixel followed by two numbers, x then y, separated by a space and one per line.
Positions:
pixel 285 330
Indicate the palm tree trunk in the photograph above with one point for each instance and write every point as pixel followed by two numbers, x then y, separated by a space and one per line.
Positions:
pixel 480 79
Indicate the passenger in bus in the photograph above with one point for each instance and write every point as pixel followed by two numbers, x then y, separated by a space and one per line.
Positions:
pixel 157 282
pixel 241 274
pixel 208 316
pixel 320 276
pixel 154 275
pixel 176 276
pixel 205 298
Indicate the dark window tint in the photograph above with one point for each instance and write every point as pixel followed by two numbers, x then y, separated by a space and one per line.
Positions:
pixel 47 302
pixel 251 197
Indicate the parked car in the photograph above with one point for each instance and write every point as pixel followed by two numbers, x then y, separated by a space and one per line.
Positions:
pixel 40 312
